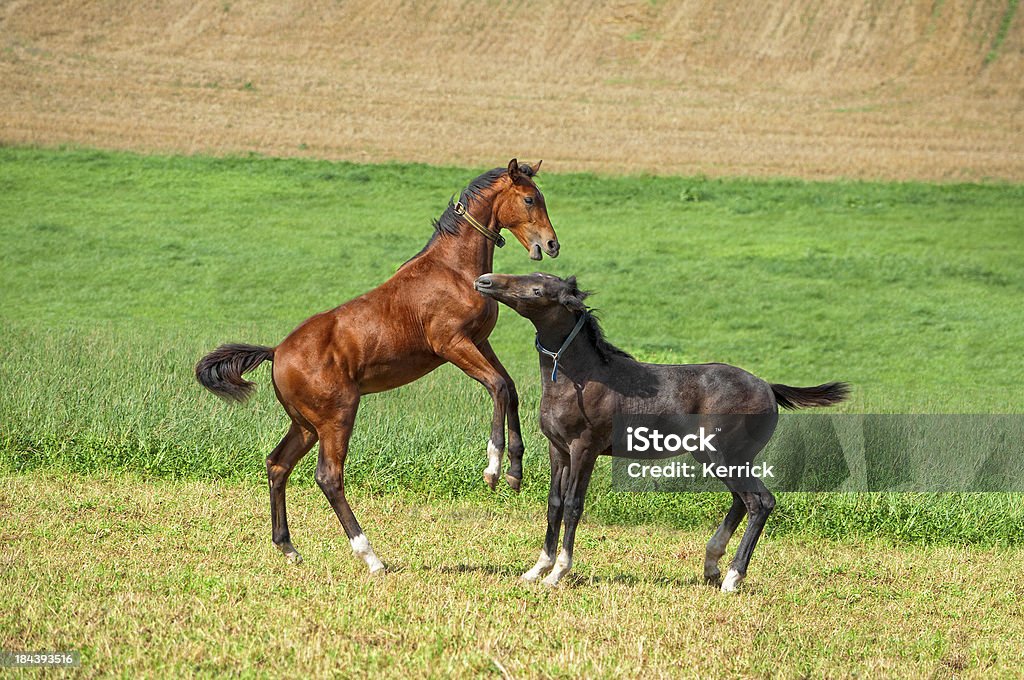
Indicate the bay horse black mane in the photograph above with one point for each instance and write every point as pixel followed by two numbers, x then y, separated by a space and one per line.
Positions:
pixel 448 222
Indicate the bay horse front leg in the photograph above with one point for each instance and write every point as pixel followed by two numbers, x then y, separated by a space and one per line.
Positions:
pixel 473 363
pixel 516 448
pixel 330 477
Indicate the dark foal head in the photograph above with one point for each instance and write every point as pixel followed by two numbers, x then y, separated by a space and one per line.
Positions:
pixel 535 296
pixel 520 208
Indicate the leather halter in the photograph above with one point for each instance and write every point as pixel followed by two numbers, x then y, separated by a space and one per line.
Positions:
pixel 460 209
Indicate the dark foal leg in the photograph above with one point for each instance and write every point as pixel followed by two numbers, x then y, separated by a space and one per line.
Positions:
pixel 581 466
pixel 514 476
pixel 759 503
pixel 330 476
pixel 720 540
pixel 471 360
pixel 280 463
pixel 559 482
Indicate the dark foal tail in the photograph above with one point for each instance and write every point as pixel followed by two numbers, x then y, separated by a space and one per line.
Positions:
pixel 221 370
pixel 804 397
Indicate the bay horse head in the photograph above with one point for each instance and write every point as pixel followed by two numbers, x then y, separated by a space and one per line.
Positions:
pixel 520 208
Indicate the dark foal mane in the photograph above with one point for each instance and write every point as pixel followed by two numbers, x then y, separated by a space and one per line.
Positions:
pixel 573 299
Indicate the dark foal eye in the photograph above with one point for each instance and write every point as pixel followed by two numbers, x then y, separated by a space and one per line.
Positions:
pixel 528 200
pixel 537 292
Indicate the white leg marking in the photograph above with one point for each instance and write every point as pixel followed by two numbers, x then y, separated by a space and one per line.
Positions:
pixel 493 459
pixel 731 581
pixel 544 562
pixel 361 547
pixel 562 566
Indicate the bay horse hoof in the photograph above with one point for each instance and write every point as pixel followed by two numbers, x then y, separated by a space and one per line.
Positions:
pixel 514 482
pixel 732 581
pixel 492 479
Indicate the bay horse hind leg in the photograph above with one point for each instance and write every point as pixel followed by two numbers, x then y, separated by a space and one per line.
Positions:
pixel 720 539
pixel 280 463
pixel 759 503
pixel 330 477
pixel 516 448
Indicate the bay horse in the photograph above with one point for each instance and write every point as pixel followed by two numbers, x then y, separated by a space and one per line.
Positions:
pixel 587 381
pixel 426 314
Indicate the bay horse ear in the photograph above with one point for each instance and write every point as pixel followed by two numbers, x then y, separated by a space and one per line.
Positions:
pixel 536 168
pixel 513 169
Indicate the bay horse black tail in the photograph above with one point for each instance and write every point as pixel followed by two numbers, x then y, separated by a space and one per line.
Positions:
pixel 221 370
pixel 806 397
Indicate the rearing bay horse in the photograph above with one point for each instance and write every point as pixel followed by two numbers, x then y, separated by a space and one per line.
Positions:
pixel 425 315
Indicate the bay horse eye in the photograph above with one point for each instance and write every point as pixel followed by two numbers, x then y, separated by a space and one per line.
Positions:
pixel 528 200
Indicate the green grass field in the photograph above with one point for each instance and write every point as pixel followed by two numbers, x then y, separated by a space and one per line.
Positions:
pixel 135 520
pixel 119 271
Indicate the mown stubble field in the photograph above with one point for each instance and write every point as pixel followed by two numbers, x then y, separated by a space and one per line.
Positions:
pixel 920 90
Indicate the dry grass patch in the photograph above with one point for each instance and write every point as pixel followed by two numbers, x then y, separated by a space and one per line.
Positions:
pixel 150 578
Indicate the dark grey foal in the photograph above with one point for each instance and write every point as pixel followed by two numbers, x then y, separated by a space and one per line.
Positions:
pixel 587 381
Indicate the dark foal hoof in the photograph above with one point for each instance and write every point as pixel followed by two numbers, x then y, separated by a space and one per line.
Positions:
pixel 514 482
pixel 492 480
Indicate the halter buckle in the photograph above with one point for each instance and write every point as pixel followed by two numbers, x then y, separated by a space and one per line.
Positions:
pixel 460 209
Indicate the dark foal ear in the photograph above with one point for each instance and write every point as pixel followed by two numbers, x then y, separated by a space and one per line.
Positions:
pixel 571 297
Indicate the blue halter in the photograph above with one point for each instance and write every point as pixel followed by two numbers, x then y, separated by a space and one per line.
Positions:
pixel 558 355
